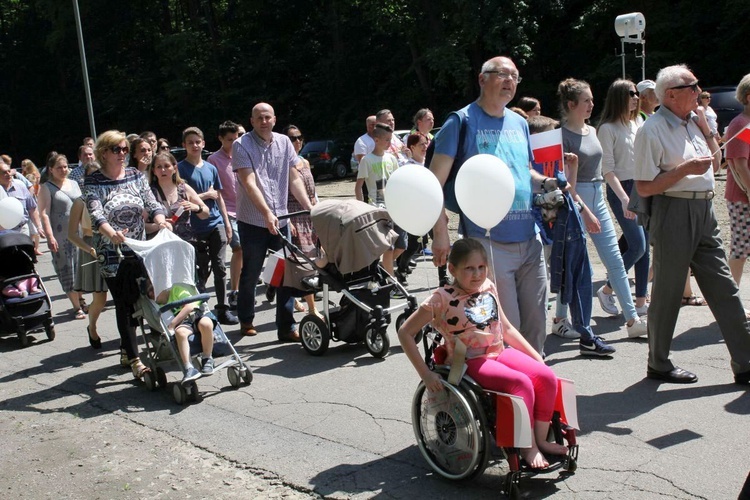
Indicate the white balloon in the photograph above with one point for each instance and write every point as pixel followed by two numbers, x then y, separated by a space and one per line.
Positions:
pixel 11 212
pixel 485 190
pixel 414 199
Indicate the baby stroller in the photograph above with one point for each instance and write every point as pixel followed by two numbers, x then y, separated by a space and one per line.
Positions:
pixel 353 236
pixel 463 427
pixel 167 260
pixel 22 315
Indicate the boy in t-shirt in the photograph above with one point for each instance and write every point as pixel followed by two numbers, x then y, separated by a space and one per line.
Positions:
pixel 374 170
pixel 213 232
pixel 191 329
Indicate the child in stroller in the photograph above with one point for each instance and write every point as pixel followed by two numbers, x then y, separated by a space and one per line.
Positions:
pixel 193 330
pixel 468 315
pixel 22 288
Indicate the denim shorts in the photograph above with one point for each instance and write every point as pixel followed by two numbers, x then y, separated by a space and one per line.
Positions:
pixel 234 244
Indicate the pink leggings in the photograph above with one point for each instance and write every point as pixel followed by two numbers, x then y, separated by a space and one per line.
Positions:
pixel 514 372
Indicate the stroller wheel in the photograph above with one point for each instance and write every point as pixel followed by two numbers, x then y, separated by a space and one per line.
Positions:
pixel 377 341
pixel 314 334
pixel 179 394
pixel 149 379
pixel 49 329
pixel 233 374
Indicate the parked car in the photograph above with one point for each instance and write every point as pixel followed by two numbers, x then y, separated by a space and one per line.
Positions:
pixel 180 154
pixel 328 157
pixel 726 105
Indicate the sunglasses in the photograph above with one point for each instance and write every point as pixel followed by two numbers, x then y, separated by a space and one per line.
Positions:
pixel 164 148
pixel 295 138
pixel 633 93
pixel 120 149
pixel 691 86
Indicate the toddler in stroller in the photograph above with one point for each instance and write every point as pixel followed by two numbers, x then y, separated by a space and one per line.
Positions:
pixel 169 264
pixel 193 329
pixel 22 288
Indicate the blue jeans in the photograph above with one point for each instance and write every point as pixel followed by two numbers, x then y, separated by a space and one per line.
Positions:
pixel 605 242
pixel 637 238
pixel 256 241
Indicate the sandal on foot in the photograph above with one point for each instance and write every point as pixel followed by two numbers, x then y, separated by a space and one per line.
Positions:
pixel 79 314
pixel 84 305
pixel 139 368
pixel 693 300
pixel 124 360
pixel 299 307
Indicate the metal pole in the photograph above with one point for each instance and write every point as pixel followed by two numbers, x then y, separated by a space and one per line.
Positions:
pixel 89 104
pixel 622 55
pixel 643 61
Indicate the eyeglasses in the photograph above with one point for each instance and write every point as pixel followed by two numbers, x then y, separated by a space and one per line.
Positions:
pixel 295 138
pixel 633 93
pixel 503 75
pixel 691 86
pixel 120 149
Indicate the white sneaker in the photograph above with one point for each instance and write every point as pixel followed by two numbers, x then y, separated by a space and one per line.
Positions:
pixel 638 328
pixel 565 330
pixel 643 310
pixel 608 302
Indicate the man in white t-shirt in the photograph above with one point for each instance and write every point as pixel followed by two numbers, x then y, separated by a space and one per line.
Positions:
pixel 365 144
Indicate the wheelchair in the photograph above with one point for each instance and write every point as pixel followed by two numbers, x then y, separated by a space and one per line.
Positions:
pixel 457 429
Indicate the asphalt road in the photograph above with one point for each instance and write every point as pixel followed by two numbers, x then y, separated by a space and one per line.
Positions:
pixel 75 425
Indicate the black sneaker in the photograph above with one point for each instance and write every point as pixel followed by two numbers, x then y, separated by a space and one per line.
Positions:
pixel 270 293
pixel 225 317
pixel 597 347
pixel 401 277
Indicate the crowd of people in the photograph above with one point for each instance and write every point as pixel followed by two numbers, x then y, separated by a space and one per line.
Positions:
pixel 649 161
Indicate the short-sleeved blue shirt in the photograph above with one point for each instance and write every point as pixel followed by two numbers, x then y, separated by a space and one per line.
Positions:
pixel 201 179
pixel 508 139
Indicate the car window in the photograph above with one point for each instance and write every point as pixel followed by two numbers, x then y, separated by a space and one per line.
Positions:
pixel 313 147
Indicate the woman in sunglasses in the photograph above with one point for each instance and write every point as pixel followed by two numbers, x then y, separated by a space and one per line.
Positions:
pixel 116 197
pixel 303 234
pixel 617 127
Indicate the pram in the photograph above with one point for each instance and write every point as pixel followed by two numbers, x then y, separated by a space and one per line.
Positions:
pixel 464 427
pixel 22 315
pixel 168 260
pixel 353 236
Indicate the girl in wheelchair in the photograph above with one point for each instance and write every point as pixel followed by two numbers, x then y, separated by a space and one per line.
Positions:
pixel 469 317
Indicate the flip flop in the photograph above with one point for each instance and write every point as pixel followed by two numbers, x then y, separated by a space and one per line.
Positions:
pixel 693 300
pixel 79 314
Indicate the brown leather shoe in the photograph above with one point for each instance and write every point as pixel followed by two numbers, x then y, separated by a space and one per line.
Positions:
pixel 292 336
pixel 248 330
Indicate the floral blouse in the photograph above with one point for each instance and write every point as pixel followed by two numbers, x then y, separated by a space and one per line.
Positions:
pixel 473 318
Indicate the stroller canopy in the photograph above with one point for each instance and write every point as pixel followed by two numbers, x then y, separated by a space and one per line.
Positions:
pixel 352 233
pixel 168 259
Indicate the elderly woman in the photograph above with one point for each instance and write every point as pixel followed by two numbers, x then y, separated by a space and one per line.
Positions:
pixel 116 197
pixel 738 183
pixel 56 197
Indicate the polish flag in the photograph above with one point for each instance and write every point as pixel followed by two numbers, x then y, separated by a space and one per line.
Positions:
pixel 273 272
pixel 547 146
pixel 513 426
pixel 565 402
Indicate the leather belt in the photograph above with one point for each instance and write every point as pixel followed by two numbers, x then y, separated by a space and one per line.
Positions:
pixel 690 195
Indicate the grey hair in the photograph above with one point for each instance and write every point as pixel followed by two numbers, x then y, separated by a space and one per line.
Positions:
pixel 743 88
pixel 671 76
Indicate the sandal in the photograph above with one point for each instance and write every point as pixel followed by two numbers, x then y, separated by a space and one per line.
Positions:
pixel 84 305
pixel 299 307
pixel 693 300
pixel 139 368
pixel 79 314
pixel 124 360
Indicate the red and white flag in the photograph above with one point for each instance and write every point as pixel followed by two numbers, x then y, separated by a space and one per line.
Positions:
pixel 547 146
pixel 513 426
pixel 565 403
pixel 273 272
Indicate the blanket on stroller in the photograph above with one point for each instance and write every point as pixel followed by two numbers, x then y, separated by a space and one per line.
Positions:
pixel 352 233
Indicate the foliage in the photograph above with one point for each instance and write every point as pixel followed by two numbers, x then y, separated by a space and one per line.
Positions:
pixel 164 65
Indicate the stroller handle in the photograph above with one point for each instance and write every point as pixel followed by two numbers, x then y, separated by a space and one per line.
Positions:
pixel 203 297
pixel 293 214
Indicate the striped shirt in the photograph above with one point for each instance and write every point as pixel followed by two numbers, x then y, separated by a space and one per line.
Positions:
pixel 271 163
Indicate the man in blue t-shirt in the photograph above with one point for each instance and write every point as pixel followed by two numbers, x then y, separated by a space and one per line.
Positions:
pixel 519 269
pixel 212 233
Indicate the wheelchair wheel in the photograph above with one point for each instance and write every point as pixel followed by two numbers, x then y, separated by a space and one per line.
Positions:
pixel 314 334
pixel 451 432
pixel 377 341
